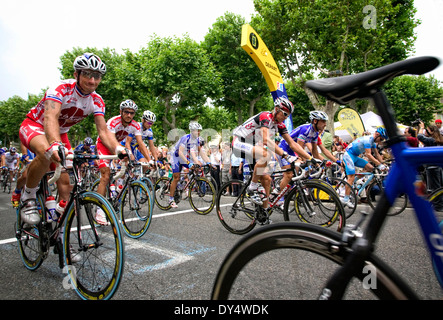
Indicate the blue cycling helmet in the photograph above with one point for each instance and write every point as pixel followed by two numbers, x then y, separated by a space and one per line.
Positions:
pixel 382 132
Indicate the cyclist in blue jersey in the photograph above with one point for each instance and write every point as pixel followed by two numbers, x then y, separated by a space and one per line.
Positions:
pixel 351 158
pixel 304 135
pixel 148 119
pixel 187 150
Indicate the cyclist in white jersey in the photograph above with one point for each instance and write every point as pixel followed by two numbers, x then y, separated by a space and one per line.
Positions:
pixel 10 160
pixel 148 119
pixel 352 159
pixel 47 124
pixel 186 153
pixel 254 141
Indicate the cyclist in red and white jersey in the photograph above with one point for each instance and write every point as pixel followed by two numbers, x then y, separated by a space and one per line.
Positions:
pixel 120 127
pixel 46 125
pixel 255 138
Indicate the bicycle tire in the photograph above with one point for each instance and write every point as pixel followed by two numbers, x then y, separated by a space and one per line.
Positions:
pixel 97 276
pixel 436 200
pixel 202 193
pixel 373 194
pixel 238 220
pixel 136 209
pixel 318 203
pixel 340 185
pixel 161 194
pixel 29 241
pixel 303 246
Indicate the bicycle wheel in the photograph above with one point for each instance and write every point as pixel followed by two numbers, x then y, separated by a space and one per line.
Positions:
pixel 98 273
pixel 340 186
pixel 161 195
pixel 374 193
pixel 315 202
pixel 238 218
pixel 29 242
pixel 307 256
pixel 202 195
pixel 436 200
pixel 136 209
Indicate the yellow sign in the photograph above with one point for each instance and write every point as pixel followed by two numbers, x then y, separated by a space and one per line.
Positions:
pixel 259 52
pixel 351 121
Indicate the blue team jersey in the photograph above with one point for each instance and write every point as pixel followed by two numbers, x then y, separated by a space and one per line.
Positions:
pixel 189 143
pixel 81 148
pixel 147 134
pixel 358 146
pixel 305 133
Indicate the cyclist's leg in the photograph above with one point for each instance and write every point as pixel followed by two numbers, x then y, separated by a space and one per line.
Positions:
pixel 105 176
pixel 36 141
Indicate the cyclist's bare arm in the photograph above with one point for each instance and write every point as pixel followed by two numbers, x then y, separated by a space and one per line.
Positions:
pixel 369 155
pixel 106 136
pixel 51 125
pixel 153 150
pixel 142 148
pixel 297 148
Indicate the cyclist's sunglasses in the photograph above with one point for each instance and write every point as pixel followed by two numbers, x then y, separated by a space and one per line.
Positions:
pixel 92 74
pixel 285 113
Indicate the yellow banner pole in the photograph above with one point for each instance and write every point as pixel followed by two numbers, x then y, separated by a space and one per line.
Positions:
pixel 259 52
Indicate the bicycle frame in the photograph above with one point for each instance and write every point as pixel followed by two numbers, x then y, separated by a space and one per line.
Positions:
pixel 400 180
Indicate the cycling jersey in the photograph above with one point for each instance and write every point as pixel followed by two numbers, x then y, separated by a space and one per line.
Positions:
pixel 358 146
pixel 351 157
pixel 11 160
pixel 81 148
pixel 191 144
pixel 75 105
pixel 305 133
pixel 249 130
pixel 115 126
pixel 146 134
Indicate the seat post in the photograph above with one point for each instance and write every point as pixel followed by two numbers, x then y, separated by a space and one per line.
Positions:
pixel 386 112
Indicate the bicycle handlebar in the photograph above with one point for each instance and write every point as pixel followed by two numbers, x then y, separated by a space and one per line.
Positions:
pixel 59 167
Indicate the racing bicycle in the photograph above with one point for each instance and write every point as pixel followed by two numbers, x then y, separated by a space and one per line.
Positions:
pixel 92 255
pixel 350 255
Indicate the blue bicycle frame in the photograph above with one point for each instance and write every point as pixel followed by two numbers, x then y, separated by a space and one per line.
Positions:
pixel 401 179
pixel 404 171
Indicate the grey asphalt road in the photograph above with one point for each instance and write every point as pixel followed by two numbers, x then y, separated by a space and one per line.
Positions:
pixel 178 259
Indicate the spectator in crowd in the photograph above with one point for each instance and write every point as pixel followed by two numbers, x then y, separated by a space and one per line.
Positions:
pixel 438 123
pixel 411 137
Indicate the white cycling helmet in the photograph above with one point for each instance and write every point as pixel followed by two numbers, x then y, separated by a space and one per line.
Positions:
pixel 128 104
pixel 89 61
pixel 284 104
pixel 318 115
pixel 149 116
pixel 195 126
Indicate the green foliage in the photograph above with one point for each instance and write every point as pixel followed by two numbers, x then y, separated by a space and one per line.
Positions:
pixel 411 94
pixel 216 83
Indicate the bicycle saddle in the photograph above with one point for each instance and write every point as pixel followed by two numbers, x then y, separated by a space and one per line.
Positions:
pixel 361 85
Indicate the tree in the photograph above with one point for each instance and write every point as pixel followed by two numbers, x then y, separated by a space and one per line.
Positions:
pixel 242 82
pixel 411 94
pixel 339 37
pixel 13 112
pixel 176 74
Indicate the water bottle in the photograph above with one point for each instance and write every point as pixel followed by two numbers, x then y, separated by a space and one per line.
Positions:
pixel 50 205
pixel 119 189
pixel 112 191
pixel 60 208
